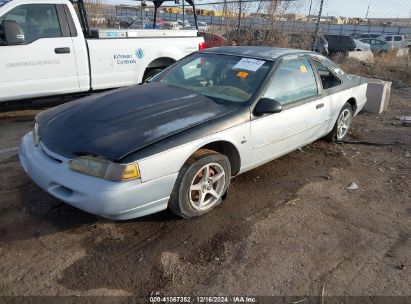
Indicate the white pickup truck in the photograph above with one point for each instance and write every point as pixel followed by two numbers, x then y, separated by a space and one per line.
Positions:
pixel 45 49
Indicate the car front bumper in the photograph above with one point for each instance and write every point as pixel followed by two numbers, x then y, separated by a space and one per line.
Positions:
pixel 113 200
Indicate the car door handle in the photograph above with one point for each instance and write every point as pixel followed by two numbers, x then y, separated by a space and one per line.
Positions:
pixel 62 50
pixel 319 106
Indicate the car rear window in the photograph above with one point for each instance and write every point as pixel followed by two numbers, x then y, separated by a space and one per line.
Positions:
pixel 340 43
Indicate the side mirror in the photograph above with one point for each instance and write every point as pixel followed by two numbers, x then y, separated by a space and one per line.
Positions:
pixel 13 33
pixel 267 106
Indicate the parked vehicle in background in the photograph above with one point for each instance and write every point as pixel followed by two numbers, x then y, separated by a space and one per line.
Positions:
pixel 160 21
pixel 321 46
pixel 396 41
pixel 149 25
pixel 340 44
pixel 212 40
pixel 203 26
pixel 184 24
pixel 137 23
pixel 125 21
pixel 176 141
pixel 361 46
pixel 171 25
pixel 377 45
pixel 365 35
pixel 44 51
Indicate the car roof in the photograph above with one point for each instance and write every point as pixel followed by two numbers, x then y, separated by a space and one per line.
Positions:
pixel 267 53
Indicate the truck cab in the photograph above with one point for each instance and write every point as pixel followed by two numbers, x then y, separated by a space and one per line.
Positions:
pixel 41 50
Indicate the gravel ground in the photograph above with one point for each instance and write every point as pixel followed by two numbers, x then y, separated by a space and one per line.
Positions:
pixel 287 228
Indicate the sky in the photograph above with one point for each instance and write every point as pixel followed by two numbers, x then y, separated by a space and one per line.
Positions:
pixel 346 8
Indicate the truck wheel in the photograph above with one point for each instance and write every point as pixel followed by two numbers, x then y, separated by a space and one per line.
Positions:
pixel 342 125
pixel 151 72
pixel 201 184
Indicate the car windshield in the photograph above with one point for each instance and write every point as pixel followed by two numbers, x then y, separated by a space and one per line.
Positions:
pixel 223 78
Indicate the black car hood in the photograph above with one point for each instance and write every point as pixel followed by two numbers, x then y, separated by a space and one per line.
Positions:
pixel 116 123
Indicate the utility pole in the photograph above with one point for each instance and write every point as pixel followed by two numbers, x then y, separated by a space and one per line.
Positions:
pixel 317 27
pixel 368 11
pixel 240 8
pixel 184 20
pixel 224 17
pixel 309 11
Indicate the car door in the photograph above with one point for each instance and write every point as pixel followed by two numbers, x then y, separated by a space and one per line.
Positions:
pixel 332 96
pixel 389 41
pixel 371 42
pixel 294 85
pixel 44 63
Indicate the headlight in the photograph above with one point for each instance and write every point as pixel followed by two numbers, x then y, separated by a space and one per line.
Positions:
pixel 36 137
pixel 105 169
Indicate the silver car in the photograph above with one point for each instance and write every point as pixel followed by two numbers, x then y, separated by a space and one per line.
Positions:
pixel 176 141
pixel 377 45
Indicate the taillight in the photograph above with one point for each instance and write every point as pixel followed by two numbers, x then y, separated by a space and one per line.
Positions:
pixel 201 46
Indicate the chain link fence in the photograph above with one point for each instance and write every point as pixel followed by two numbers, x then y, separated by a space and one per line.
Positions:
pixel 326 26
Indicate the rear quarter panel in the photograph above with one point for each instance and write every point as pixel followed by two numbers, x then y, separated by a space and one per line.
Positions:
pixel 335 101
pixel 122 62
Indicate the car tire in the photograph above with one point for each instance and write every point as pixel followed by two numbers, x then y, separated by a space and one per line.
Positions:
pixel 342 125
pixel 194 193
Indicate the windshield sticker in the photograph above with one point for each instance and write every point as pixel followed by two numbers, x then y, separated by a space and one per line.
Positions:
pixel 303 69
pixel 249 64
pixel 242 74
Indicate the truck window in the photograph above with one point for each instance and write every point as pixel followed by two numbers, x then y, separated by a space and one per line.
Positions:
pixel 36 20
pixel 397 38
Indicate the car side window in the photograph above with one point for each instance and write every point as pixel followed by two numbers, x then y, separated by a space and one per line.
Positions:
pixel 294 80
pixel 36 20
pixel 397 38
pixel 328 79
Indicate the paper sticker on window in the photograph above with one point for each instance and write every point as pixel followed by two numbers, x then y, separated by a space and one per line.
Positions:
pixel 303 69
pixel 242 74
pixel 249 64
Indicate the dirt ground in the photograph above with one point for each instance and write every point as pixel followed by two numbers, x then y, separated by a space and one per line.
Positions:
pixel 287 228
